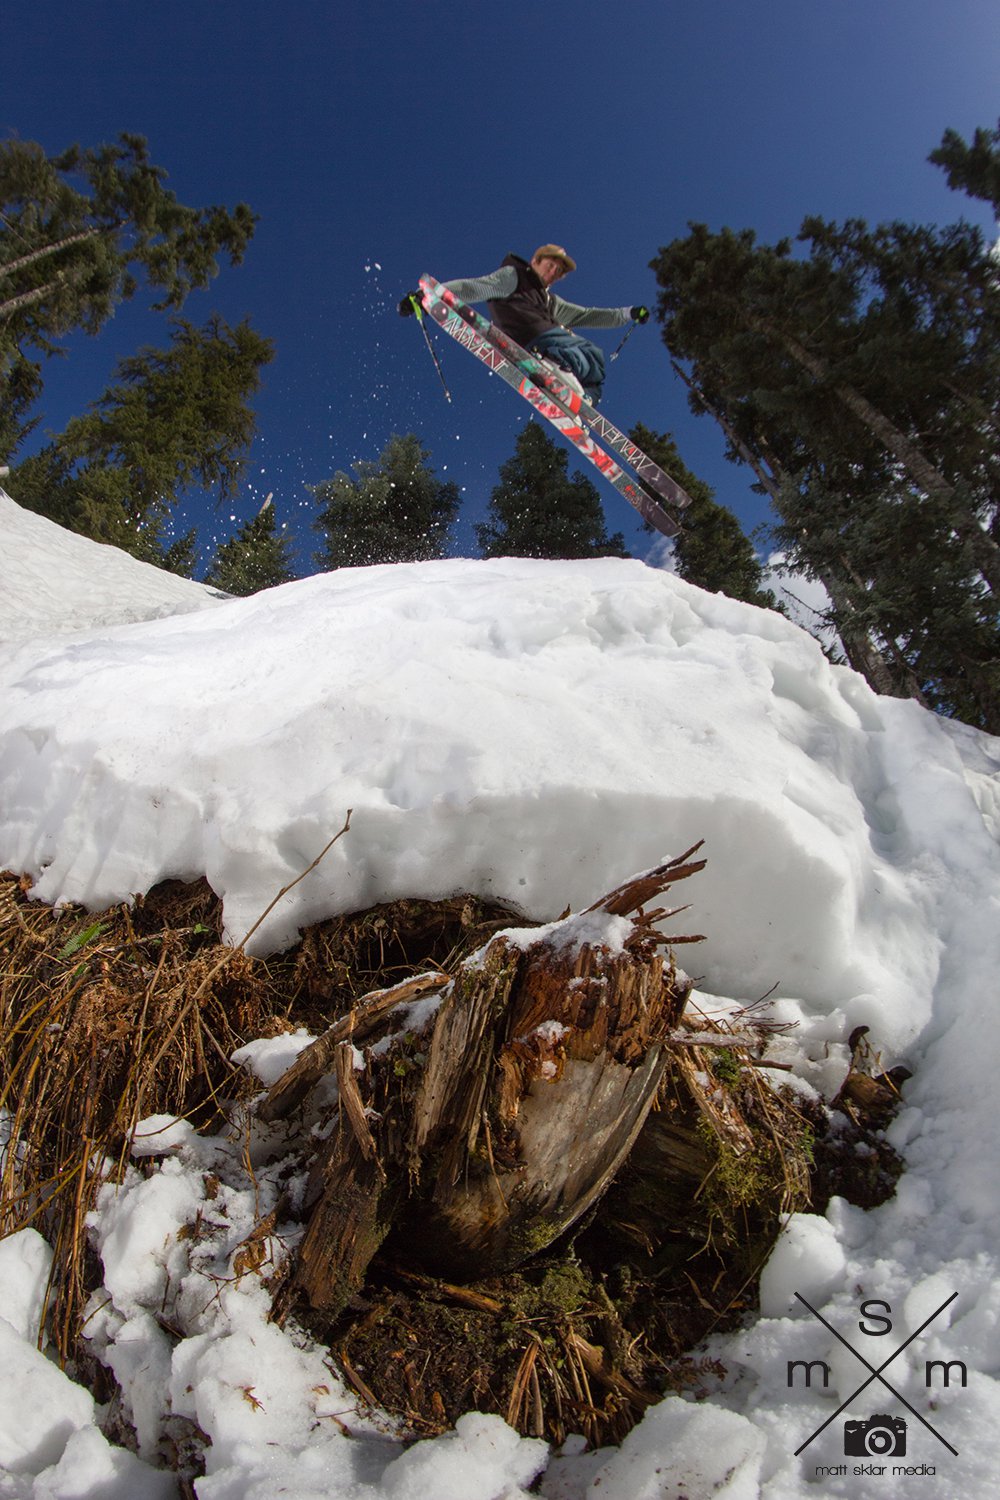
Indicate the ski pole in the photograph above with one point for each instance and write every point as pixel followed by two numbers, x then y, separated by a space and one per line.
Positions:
pixel 419 310
pixel 628 335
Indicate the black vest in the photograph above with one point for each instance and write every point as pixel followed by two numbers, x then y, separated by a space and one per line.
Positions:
pixel 525 313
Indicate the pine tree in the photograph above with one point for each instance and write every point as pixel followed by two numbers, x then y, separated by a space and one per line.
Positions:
pixel 539 510
pixel 179 554
pixel 179 417
pixel 20 387
pixel 257 557
pixel 80 230
pixel 974 168
pixel 711 549
pixel 395 510
pixel 862 382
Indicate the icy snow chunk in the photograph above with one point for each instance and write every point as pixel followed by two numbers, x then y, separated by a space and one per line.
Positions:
pixel 930 1297
pixel 139 1357
pixel 700 1452
pixel 136 1228
pixel 807 1258
pixel 269 1058
pixel 482 1457
pixel 91 1469
pixel 595 929
pixel 158 1134
pixel 251 1389
pixel 41 1407
pixel 551 1032
pixel 25 1259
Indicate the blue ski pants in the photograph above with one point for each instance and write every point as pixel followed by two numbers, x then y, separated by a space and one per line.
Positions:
pixel 575 353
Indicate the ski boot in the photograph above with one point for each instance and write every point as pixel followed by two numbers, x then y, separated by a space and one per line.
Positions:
pixel 566 376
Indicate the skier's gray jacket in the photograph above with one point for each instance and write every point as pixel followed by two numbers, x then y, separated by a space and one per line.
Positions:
pixel 523 307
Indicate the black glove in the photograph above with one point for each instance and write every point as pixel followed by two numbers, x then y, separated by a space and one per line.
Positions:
pixel 640 314
pixel 406 307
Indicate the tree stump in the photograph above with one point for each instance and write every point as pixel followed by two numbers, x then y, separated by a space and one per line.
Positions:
pixel 482 1139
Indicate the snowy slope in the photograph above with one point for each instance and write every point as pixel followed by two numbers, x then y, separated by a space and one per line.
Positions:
pixel 539 731
pixel 51 580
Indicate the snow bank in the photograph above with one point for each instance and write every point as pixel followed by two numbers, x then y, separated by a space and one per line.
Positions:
pixel 539 732
pixel 531 731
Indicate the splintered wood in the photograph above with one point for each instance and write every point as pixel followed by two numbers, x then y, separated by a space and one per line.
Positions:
pixel 545 1057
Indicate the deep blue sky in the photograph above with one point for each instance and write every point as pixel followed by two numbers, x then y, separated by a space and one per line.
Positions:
pixel 377 139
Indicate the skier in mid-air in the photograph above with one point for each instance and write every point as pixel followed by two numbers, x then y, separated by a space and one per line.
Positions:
pixel 523 306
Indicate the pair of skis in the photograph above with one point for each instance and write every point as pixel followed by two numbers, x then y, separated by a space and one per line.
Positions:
pixel 553 398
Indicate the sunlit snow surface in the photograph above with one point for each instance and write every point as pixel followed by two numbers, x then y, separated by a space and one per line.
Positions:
pixel 538 732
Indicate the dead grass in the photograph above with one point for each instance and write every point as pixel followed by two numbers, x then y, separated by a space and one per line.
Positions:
pixel 104 1020
pixel 108 1018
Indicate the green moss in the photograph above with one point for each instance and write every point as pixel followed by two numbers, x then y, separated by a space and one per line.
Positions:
pixel 565 1287
pixel 725 1065
pixel 736 1178
pixel 531 1239
pixel 745 1193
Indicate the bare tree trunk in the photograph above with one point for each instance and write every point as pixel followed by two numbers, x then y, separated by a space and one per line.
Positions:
pixel 861 651
pixel 11 267
pixel 764 477
pixel 983 550
pixel 26 299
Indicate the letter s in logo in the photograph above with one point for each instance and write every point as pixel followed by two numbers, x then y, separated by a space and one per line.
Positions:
pixel 877 1317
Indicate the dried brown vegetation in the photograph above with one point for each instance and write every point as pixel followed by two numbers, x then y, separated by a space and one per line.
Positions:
pixel 106 1019
pixel 610 1251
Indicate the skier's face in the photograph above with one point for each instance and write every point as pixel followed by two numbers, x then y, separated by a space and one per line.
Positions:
pixel 549 269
